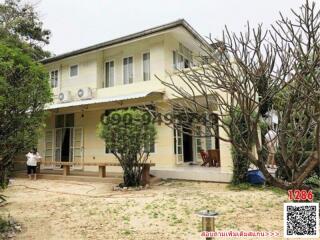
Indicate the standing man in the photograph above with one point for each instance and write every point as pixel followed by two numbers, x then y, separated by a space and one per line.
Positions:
pixel 271 140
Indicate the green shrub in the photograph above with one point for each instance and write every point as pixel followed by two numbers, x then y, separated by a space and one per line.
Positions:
pixel 4 225
pixel 128 134
pixel 313 181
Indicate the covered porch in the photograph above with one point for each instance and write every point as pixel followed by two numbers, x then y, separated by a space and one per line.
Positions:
pixel 71 136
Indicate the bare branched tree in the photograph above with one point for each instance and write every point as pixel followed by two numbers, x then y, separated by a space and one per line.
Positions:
pixel 228 81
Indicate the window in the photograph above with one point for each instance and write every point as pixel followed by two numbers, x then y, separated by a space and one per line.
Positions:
pixel 128 70
pixel 149 147
pixel 109 74
pixel 198 139
pixel 74 71
pixel 59 123
pixel 182 58
pixel 64 120
pixel 146 66
pixel 54 78
pixel 69 120
pixel 179 61
pixel 208 139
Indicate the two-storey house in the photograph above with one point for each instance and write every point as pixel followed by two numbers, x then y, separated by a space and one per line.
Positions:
pixel 121 73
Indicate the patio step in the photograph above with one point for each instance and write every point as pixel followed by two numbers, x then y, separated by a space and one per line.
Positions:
pixel 195 173
pixel 116 179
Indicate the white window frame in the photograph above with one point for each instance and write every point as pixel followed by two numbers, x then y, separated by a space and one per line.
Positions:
pixel 105 73
pixel 142 66
pixel 177 65
pixel 73 65
pixel 155 148
pixel 53 70
pixel 133 73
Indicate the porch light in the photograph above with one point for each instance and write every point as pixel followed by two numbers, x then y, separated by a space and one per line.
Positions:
pixel 208 221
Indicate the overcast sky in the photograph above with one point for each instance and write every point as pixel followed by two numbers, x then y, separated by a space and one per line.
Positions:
pixel 80 23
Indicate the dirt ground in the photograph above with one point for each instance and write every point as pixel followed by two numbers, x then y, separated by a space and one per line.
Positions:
pixel 52 209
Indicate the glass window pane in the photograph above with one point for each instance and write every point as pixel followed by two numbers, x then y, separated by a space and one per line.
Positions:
pixel 146 66
pixel 107 83
pixel 152 147
pixel 186 63
pixel 59 121
pixel 70 120
pixel 130 69
pixel 174 60
pixel 109 74
pixel 73 70
pixel 54 78
pixel 149 147
pixel 180 61
pixel 127 70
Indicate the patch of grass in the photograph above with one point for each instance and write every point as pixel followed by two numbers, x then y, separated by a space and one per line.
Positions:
pixel 249 205
pixel 248 186
pixel 4 225
pixel 126 232
pixel 177 221
pixel 240 187
pixel 231 210
pixel 8 226
pixel 126 219
pixel 277 191
pixel 268 205
pixel 232 226
pixel 154 215
pixel 316 194
pixel 258 228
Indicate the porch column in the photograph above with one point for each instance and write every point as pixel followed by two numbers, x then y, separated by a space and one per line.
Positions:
pixel 66 170
pixel 225 152
pixel 102 171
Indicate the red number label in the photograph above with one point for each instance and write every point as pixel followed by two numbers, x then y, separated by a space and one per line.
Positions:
pixel 300 195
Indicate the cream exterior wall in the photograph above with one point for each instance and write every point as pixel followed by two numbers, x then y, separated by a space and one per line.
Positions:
pixel 94 147
pixel 91 74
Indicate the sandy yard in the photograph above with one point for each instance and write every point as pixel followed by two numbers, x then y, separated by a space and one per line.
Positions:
pixel 52 209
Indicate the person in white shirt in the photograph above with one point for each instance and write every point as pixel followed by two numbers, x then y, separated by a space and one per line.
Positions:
pixel 271 140
pixel 32 158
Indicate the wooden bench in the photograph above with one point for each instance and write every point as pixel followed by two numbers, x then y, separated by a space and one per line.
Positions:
pixel 145 176
pixel 24 163
pixel 65 165
pixel 101 166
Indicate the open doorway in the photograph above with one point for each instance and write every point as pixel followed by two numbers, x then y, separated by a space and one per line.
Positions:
pixel 187 145
pixel 64 128
pixel 65 147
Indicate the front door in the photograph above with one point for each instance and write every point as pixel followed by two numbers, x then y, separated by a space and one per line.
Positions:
pixel 63 144
pixel 187 145
pixel 178 144
pixel 77 147
pixel 66 154
pixel 198 143
pixel 64 137
pixel 69 145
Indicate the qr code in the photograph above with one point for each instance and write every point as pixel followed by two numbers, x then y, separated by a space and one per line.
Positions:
pixel 301 220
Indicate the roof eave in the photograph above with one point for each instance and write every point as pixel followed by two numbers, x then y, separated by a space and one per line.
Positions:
pixel 180 22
